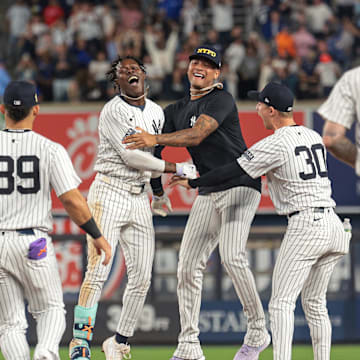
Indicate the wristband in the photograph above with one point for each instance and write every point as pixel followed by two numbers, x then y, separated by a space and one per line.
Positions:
pixel 91 228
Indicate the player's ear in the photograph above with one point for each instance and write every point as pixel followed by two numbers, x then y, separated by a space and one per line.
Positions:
pixel 35 110
pixel 2 108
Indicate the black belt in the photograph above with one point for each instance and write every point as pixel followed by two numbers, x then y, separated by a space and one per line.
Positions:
pixel 316 210
pixel 26 231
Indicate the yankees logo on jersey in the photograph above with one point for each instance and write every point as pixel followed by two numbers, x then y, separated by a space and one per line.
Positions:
pixel 115 125
pixel 27 174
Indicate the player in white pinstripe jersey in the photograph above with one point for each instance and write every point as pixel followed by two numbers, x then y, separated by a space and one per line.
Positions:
pixel 294 161
pixel 121 207
pixel 30 166
pixel 339 111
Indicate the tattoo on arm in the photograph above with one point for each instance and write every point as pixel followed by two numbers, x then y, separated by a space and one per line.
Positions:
pixel 344 150
pixel 203 127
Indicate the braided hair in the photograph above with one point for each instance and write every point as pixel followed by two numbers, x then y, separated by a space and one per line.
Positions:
pixel 112 73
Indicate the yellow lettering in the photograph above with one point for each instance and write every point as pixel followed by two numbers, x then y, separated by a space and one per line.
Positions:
pixel 206 51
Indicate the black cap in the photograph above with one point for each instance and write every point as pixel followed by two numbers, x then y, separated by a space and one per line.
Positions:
pixel 20 93
pixel 209 53
pixel 276 95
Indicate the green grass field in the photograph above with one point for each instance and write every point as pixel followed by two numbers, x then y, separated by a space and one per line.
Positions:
pixel 300 352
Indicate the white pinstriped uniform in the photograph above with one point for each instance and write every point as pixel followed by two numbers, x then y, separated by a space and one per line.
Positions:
pixel 124 218
pixel 294 161
pixel 30 166
pixel 220 218
pixel 343 106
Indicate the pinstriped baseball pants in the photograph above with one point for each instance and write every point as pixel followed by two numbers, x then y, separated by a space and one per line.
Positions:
pixel 312 246
pixel 39 282
pixel 222 218
pixel 124 219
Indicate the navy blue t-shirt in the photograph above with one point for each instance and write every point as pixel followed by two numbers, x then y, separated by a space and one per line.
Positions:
pixel 223 145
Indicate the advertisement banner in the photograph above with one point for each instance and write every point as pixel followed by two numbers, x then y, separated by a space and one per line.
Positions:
pixel 77 132
pixel 221 322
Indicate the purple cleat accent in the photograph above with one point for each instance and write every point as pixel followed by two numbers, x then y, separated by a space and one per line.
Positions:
pixel 247 352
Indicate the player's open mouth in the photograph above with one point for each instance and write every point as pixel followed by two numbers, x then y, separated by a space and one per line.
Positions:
pixel 198 75
pixel 133 79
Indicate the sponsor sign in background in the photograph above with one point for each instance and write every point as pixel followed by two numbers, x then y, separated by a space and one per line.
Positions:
pixel 77 132
pixel 220 322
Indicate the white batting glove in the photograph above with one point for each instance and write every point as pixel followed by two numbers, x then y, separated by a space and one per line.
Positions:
pixel 158 203
pixel 186 170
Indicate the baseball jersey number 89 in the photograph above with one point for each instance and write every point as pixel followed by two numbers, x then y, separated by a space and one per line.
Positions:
pixel 21 173
pixel 317 154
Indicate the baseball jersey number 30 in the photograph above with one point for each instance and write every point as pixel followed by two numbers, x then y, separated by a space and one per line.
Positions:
pixel 317 154
pixel 21 173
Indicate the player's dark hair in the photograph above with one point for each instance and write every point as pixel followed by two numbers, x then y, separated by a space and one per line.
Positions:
pixel 112 73
pixel 17 113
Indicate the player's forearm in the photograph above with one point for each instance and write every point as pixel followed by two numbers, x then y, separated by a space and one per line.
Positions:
pixel 76 206
pixel 344 150
pixel 186 137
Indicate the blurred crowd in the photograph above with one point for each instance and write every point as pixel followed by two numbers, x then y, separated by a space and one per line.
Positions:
pixel 66 46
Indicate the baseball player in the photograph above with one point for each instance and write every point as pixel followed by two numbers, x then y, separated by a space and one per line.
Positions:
pixel 30 167
pixel 121 207
pixel 294 161
pixel 339 111
pixel 207 123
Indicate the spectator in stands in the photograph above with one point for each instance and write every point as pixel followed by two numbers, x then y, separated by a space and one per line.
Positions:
pixel 328 71
pixel 308 78
pixel 162 51
pixel 154 78
pixel 53 12
pixel 222 19
pixel 273 26
pixel 285 44
pixel 317 15
pixel 17 18
pixel 63 74
pixel 61 34
pixel 98 69
pixel 213 40
pixel 249 72
pixel 45 76
pixel 303 40
pixel 234 56
pixel 130 13
pixel 172 8
pixel 190 16
pixel 26 69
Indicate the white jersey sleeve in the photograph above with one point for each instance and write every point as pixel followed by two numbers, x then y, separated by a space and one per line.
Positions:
pixel 262 157
pixel 63 177
pixel 341 104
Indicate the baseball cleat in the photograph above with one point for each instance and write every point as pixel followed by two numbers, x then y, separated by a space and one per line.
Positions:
pixel 115 351
pixel 247 352
pixel 79 350
pixel 177 358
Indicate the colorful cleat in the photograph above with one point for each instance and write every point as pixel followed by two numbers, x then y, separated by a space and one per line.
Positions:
pixel 79 350
pixel 247 352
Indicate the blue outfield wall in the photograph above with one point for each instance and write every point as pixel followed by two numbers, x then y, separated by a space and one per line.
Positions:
pixel 224 322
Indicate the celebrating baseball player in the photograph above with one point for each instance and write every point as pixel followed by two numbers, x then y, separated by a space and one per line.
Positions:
pixel 294 161
pixel 30 167
pixel 121 207
pixel 207 123
pixel 339 111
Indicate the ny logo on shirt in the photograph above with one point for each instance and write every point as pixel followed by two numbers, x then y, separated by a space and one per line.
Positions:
pixel 193 120
pixel 156 127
